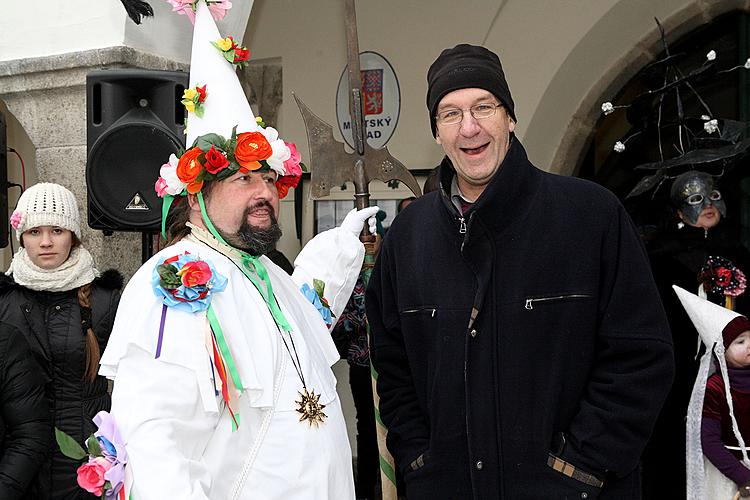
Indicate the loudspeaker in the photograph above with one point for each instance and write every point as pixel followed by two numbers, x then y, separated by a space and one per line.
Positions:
pixel 135 120
pixel 4 223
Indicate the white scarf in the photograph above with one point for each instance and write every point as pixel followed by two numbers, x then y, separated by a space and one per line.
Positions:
pixel 76 271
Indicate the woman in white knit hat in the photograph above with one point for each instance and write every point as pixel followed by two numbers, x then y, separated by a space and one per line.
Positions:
pixel 53 294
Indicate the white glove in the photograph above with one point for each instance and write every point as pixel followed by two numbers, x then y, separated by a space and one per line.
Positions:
pixel 355 219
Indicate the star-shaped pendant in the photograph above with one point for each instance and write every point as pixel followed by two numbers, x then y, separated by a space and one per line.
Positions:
pixel 310 408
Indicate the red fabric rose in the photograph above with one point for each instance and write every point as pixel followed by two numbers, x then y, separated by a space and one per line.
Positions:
pixel 241 54
pixel 201 93
pixel 285 182
pixel 251 147
pixel 194 273
pixel 215 161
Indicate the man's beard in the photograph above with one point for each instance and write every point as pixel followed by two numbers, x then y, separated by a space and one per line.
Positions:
pixel 252 239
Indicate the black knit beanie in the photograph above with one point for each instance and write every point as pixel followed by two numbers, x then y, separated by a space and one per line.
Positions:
pixel 466 66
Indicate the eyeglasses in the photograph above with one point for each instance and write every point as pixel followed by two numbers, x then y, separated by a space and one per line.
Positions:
pixel 697 199
pixel 480 111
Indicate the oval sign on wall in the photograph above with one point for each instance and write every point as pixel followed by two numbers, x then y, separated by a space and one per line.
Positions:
pixel 381 100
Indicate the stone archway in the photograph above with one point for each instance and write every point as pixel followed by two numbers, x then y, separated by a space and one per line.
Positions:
pixel 565 135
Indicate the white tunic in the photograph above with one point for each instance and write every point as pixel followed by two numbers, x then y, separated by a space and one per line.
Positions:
pixel 176 428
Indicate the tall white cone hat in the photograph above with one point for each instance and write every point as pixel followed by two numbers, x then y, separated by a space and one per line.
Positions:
pixel 226 104
pixel 709 319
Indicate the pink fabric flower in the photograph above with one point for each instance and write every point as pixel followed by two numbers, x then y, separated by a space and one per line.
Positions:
pixel 219 9
pixel 91 475
pixel 16 218
pixel 291 166
pixel 184 7
pixel 161 187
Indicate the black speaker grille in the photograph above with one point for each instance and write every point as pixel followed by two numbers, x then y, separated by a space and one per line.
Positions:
pixel 121 174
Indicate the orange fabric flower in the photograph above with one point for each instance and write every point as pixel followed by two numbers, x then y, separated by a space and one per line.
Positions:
pixel 251 147
pixel 188 169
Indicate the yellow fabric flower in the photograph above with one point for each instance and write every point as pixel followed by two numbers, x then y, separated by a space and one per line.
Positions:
pixel 190 106
pixel 189 94
pixel 225 43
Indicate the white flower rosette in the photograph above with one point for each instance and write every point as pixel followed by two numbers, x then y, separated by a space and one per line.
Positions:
pixel 168 173
pixel 280 151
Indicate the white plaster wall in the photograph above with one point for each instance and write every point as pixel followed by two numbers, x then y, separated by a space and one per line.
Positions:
pixel 48 27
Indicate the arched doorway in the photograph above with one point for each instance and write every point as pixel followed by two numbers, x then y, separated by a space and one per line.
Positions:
pixel 727 97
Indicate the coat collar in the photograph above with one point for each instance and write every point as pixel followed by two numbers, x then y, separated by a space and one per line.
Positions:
pixel 507 199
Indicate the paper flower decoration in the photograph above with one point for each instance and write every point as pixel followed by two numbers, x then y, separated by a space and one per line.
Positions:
pixel 316 298
pixel 103 472
pixel 186 282
pixel 232 52
pixel 720 276
pixel 213 157
pixel 218 8
pixel 193 100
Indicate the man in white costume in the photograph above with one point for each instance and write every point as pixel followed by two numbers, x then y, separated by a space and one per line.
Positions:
pixel 221 361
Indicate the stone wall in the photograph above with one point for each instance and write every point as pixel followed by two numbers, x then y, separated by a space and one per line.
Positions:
pixel 47 96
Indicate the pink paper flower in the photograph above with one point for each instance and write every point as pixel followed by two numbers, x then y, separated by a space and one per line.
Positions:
pixel 291 166
pixel 16 218
pixel 161 187
pixel 184 7
pixel 219 8
pixel 91 475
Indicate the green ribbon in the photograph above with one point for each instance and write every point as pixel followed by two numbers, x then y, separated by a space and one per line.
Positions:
pixel 254 270
pixel 223 347
pixel 165 204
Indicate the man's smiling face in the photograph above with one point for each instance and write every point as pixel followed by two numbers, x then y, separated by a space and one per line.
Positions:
pixel 476 147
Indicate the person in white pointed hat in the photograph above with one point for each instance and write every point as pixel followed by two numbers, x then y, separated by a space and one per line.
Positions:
pixel 221 361
pixel 717 425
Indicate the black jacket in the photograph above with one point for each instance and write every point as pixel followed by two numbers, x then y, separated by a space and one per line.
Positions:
pixel 25 425
pixel 541 318
pixel 51 323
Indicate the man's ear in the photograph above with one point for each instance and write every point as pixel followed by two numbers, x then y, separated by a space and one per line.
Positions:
pixel 192 200
pixel 511 124
pixel 437 137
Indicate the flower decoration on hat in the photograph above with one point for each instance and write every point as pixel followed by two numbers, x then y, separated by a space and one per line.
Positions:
pixel 213 157
pixel 685 141
pixel 232 52
pixel 16 219
pixel 193 100
pixel 218 8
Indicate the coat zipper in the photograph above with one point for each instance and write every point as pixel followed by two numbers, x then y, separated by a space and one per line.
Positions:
pixel 412 311
pixel 529 302
pixel 462 227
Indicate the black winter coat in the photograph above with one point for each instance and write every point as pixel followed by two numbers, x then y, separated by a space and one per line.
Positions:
pixel 534 313
pixel 51 323
pixel 25 425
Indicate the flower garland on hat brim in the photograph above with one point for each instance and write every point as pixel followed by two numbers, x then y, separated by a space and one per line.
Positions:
pixel 214 158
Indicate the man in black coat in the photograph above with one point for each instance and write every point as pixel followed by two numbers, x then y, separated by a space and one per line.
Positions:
pixel 25 422
pixel 521 346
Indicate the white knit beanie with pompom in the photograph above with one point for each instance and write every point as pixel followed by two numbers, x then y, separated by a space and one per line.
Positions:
pixel 46 204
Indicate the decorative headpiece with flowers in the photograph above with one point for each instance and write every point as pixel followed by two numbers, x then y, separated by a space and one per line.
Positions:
pixel 224 135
